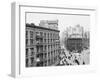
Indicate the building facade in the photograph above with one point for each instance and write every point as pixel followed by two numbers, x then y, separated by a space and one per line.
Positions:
pixel 77 39
pixel 42 46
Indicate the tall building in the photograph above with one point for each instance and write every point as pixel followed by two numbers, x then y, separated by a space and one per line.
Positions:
pixel 42 45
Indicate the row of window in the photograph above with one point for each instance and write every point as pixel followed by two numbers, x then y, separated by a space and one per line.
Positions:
pixel 32 41
pixel 31 62
pixel 31 34
pixel 31 52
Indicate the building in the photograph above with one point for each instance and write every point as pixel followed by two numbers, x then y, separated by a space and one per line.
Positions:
pixel 42 45
pixel 74 44
pixel 77 39
pixel 52 24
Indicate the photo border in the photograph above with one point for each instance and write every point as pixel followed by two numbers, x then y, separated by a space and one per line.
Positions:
pixel 16 71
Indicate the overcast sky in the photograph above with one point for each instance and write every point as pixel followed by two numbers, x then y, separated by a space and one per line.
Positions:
pixel 63 20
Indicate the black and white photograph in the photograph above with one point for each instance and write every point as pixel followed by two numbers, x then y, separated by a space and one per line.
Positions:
pixel 52 40
pixel 56 39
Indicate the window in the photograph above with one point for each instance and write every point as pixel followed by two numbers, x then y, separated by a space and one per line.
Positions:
pixel 31 41
pixel 49 55
pixel 31 34
pixel 48 40
pixel 26 41
pixel 27 62
pixel 41 33
pixel 32 51
pixel 45 40
pixel 26 52
pixel 48 35
pixel 37 33
pixel 48 47
pixel 32 60
pixel 37 48
pixel 51 47
pixel 26 34
pixel 44 35
pixel 45 47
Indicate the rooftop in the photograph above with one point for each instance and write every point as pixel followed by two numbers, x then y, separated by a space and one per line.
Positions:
pixel 39 27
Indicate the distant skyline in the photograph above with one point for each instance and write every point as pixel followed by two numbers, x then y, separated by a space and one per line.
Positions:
pixel 63 20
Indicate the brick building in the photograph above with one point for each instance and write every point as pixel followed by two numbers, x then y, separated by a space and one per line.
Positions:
pixel 42 45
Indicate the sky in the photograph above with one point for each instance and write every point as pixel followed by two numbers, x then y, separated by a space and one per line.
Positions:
pixel 63 20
